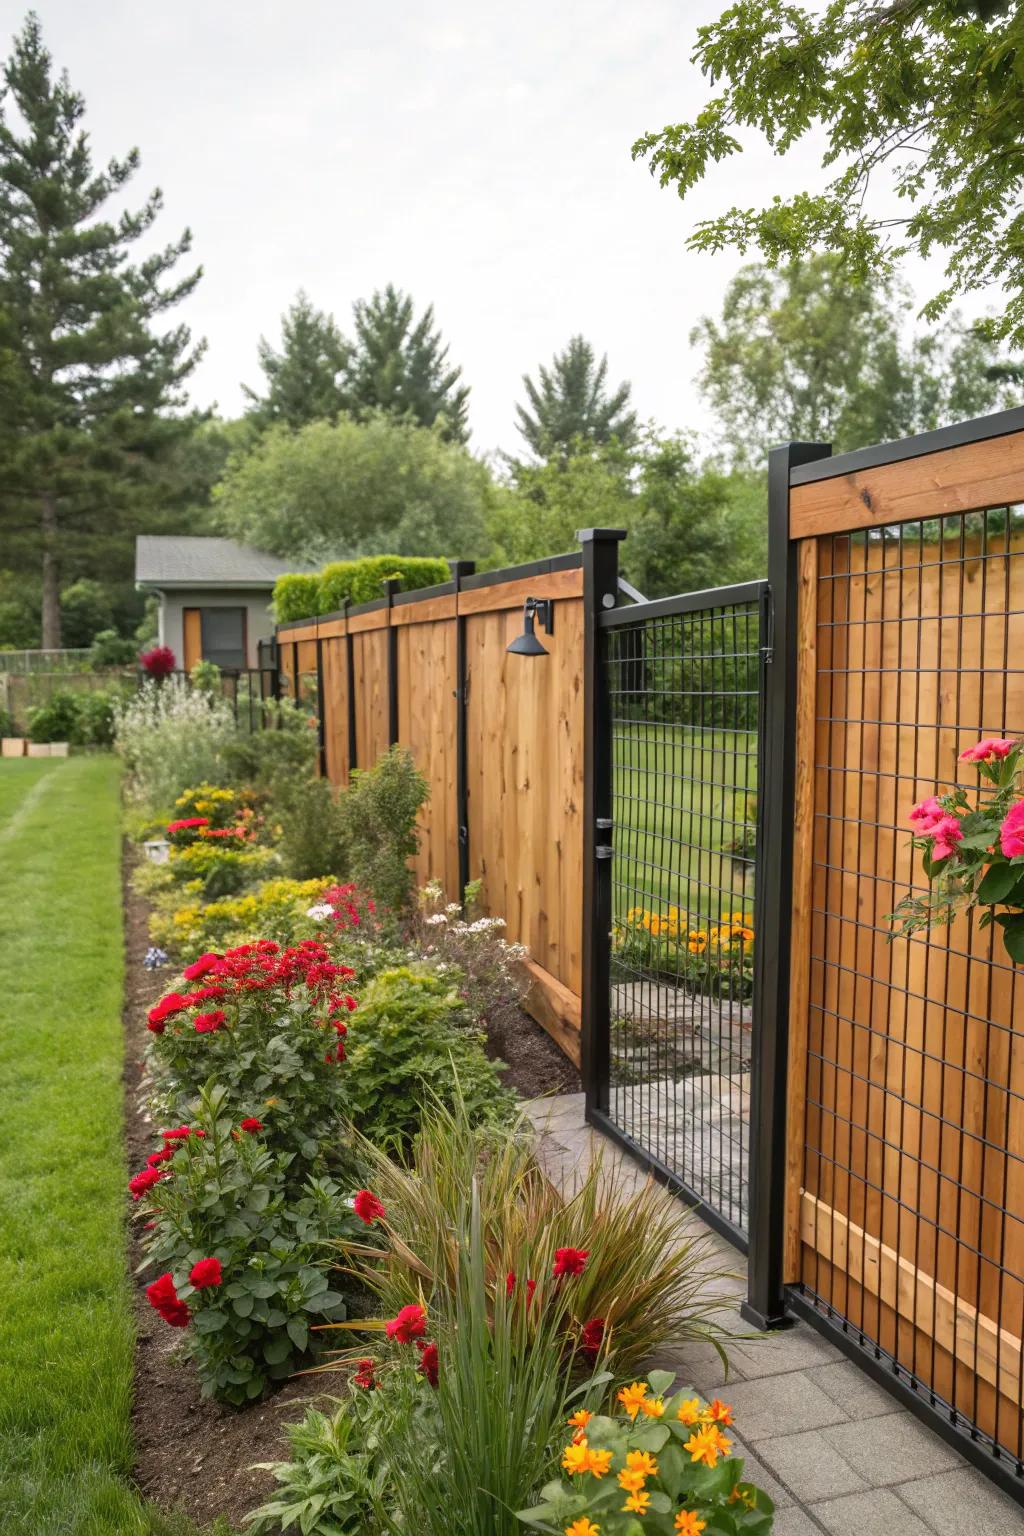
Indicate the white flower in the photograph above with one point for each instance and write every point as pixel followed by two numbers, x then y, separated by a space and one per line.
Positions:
pixel 436 918
pixel 321 910
pixel 483 924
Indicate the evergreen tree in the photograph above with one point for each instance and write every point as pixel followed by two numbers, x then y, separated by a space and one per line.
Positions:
pixel 90 393
pixel 399 365
pixel 305 380
pixel 571 404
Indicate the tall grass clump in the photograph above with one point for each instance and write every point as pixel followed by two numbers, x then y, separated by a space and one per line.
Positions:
pixel 171 736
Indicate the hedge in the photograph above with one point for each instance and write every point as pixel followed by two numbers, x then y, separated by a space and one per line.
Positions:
pixel 357 581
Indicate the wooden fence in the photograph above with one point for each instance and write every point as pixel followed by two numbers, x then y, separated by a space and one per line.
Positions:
pixel 498 737
pixel 905 1150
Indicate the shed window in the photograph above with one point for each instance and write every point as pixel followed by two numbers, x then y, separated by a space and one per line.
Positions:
pixel 224 636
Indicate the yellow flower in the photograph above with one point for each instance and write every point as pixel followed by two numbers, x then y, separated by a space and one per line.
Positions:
pixel 687 1523
pixel 689 1411
pixel 654 1407
pixel 576 1457
pixel 598 1462
pixel 707 1444
pixel 632 1397
pixel 641 1461
pixel 638 1503
pixel 581 1418
pixel 582 1527
pixel 631 1482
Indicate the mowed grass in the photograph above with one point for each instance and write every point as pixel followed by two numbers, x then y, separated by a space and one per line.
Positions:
pixel 65 1325
pixel 681 794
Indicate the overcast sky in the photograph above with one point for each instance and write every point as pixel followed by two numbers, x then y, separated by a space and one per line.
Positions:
pixel 475 154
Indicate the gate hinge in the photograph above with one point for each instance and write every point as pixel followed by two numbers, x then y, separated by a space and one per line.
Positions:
pixel 603 851
pixel 768 649
pixel 463 835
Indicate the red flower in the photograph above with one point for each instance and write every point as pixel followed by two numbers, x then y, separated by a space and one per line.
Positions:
pixel 201 967
pixel 206 1023
pixel 181 1133
pixel 204 994
pixel 166 1152
pixel 251 1124
pixel 510 1285
pixel 428 1362
pixel 206 1272
pixel 165 1009
pixel 143 1181
pixel 364 1377
pixel 164 1299
pixel 410 1324
pixel 592 1336
pixel 367 1207
pixel 188 824
pixel 158 662
pixel 570 1261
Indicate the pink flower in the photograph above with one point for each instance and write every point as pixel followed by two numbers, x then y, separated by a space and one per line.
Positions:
pixel 925 815
pixel 990 750
pixel 1011 833
pixel 946 834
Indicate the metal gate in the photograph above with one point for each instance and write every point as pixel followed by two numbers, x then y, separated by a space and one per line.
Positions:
pixel 679 702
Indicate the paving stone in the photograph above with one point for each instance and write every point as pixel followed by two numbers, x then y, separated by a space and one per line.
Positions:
pixel 962 1503
pixel 781 1405
pixel 876 1513
pixel 856 1393
pixel 791 1349
pixel 795 1522
pixel 809 1466
pixel 891 1449
pixel 700 1366
pixel 755 1471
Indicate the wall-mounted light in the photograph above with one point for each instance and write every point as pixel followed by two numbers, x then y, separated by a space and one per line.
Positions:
pixel 540 609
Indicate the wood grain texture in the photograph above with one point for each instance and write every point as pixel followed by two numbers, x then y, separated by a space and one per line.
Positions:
pixel 335 663
pixel 427 610
pixel 965 479
pixel 513 594
pixel 555 1009
pixel 427 721
pixel 364 623
pixel 371 690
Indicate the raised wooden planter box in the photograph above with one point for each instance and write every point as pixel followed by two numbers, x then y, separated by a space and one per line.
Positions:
pixel 13 746
pixel 39 749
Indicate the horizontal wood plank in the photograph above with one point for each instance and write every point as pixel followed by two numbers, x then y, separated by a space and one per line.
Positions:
pixel 511 594
pixel 427 611
pixel 361 623
pixel 555 1008
pixel 965 479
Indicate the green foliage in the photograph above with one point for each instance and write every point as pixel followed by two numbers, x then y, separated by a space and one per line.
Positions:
pixel 231 1197
pixel 97 714
pixel 6 722
pixel 206 676
pixel 171 736
pixel 91 370
pixel 84 611
pixel 362 580
pixel 109 649
pixel 332 1483
pixel 212 870
pixel 588 488
pixel 409 1045
pixel 571 405
pixel 358 488
pixel 57 719
pixel 19 611
pixel 378 826
pixel 313 841
pixel 923 101
pixel 304 381
pixel 399 365
pixel 283 752
pixel 297 596
pixel 274 909
pixel 806 353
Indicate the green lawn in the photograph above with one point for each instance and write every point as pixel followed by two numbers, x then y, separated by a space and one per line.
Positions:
pixel 681 794
pixel 65 1324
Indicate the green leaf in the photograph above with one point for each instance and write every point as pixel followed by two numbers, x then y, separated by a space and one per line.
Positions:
pixel 999 881
pixel 209 1320
pixel 277 1349
pixel 243 1305
pixel 1013 939
pixel 660 1382
pixel 651 1438
pixel 298 1332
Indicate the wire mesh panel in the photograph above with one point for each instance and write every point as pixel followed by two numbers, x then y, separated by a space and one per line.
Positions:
pixel 912 1199
pixel 684 689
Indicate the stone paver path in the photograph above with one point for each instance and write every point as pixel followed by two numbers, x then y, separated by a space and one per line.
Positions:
pixel 833 1449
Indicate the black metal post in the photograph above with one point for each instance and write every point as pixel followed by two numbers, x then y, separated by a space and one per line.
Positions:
pixel 600 590
pixel 296 675
pixel 350 690
pixel 773 901
pixel 391 586
pixel 460 569
pixel 321 723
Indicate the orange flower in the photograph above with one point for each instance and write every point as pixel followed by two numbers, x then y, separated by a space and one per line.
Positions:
pixel 641 1461
pixel 689 1411
pixel 707 1444
pixel 581 1418
pixel 654 1407
pixel 638 1503
pixel 632 1397
pixel 687 1523
pixel 598 1462
pixel 577 1456
pixel 719 1412
pixel 582 1527
pixel 631 1482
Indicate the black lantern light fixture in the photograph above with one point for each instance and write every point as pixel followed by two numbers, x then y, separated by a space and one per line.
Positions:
pixel 535 609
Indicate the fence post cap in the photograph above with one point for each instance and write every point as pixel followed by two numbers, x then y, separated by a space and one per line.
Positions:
pixel 600 535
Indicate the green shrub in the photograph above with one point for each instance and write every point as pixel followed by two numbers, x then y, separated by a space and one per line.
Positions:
pixel 283 750
pixel 274 909
pixel 370 574
pixel 379 834
pixel 296 596
pixel 225 1195
pixel 408 1044
pixel 58 719
pixel 109 649
pixel 97 712
pixel 6 723
pixel 333 1482
pixel 336 585
pixel 218 869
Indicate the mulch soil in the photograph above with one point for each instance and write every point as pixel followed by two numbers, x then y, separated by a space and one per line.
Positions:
pixel 195 1456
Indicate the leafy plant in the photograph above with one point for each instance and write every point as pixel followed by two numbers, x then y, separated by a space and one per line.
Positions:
pixel 313 839
pixel 973 855
pixel 171 736
pixel 491 979
pixel 332 1483
pixel 378 826
pixel 109 649
pixel 280 750
pixel 275 909
pixel 409 1044
pixel 297 596
pixel 665 1457
pixel 243 1257
pixel 58 719
pixel 714 959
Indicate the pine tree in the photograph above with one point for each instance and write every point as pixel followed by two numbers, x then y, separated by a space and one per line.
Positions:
pixel 305 380
pixel 571 404
pixel 399 365
pixel 90 392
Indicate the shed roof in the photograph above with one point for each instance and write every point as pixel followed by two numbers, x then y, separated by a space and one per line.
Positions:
pixel 187 560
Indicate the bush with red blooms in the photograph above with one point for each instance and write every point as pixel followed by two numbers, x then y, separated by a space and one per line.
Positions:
pixel 269 1024
pixel 241 1253
pixel 356 926
pixel 158 662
